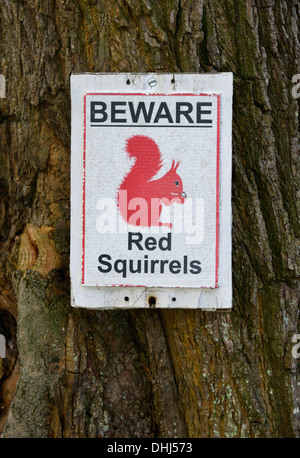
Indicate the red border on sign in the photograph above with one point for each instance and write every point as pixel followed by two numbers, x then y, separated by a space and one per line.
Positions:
pixel 217 171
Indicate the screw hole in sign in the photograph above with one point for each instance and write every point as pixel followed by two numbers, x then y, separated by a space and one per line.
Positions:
pixel 126 298
pixel 128 82
pixel 172 81
pixel 152 301
pixel 173 299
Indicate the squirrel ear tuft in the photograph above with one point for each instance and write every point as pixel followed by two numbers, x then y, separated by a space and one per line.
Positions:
pixel 173 164
pixel 177 165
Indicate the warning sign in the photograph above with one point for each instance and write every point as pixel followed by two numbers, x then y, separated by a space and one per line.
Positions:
pixel 151 189
pixel 150 184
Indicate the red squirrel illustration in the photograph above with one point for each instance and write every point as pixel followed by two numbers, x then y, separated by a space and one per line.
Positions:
pixel 140 198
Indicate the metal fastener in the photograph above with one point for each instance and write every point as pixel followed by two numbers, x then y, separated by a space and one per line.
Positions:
pixel 152 82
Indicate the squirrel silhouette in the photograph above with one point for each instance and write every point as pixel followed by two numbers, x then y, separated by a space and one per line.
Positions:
pixel 140 198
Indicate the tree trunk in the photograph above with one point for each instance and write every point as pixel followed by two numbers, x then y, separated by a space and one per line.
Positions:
pixel 148 373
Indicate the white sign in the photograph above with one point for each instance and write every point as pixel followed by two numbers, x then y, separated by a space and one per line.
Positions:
pixel 151 190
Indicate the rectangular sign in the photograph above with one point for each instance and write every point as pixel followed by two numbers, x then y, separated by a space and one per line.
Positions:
pixel 151 186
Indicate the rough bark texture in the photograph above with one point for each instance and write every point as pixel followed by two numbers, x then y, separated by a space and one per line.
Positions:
pixel 149 373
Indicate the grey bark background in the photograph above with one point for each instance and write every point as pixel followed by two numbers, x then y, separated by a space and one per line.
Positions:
pixel 148 373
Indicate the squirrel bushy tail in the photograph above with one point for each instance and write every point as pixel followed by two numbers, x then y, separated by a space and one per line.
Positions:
pixel 148 157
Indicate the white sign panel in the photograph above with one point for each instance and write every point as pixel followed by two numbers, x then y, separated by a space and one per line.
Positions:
pixel 151 190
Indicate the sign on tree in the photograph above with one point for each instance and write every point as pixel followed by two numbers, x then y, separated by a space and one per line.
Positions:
pixel 151 189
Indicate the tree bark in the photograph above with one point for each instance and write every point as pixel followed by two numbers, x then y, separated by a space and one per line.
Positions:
pixel 149 373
